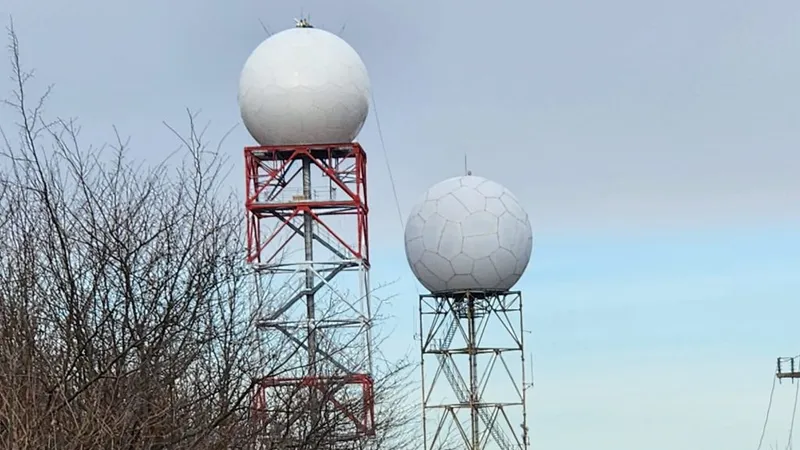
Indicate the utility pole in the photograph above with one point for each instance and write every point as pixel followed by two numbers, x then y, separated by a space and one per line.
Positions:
pixel 788 368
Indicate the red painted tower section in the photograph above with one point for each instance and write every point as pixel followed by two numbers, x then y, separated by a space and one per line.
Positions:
pixel 308 242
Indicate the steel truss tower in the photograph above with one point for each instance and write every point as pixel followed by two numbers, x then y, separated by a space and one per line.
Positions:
pixel 306 230
pixel 470 339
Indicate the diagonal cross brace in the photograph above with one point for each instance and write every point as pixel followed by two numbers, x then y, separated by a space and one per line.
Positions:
pixel 314 236
pixel 457 383
pixel 304 346
pixel 302 293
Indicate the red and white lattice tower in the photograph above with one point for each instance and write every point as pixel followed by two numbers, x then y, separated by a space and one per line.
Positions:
pixel 304 96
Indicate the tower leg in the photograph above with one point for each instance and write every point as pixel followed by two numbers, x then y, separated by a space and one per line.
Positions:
pixel 311 332
pixel 473 373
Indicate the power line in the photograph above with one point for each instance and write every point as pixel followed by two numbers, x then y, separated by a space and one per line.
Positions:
pixel 794 413
pixel 389 170
pixel 391 179
pixel 766 416
pixel 388 164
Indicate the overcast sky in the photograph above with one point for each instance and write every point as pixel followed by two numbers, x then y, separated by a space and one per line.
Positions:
pixel 606 119
pixel 596 114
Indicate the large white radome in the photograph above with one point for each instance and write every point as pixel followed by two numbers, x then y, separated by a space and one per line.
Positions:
pixel 467 234
pixel 304 86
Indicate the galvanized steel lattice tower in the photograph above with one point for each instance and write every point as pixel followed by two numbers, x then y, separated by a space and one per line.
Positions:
pixel 473 370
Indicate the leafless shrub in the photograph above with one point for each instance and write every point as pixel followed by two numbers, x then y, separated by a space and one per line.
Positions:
pixel 126 312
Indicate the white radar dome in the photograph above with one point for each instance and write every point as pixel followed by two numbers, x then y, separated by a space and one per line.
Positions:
pixel 468 234
pixel 304 86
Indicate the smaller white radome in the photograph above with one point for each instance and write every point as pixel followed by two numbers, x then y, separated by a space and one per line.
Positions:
pixel 468 234
pixel 304 86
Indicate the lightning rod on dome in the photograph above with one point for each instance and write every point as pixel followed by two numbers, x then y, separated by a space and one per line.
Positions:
pixel 264 27
pixel 303 22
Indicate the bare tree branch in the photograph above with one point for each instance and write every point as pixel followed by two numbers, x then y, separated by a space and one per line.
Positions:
pixel 127 314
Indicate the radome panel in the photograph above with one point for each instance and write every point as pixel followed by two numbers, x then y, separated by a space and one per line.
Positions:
pixel 468 233
pixel 304 86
